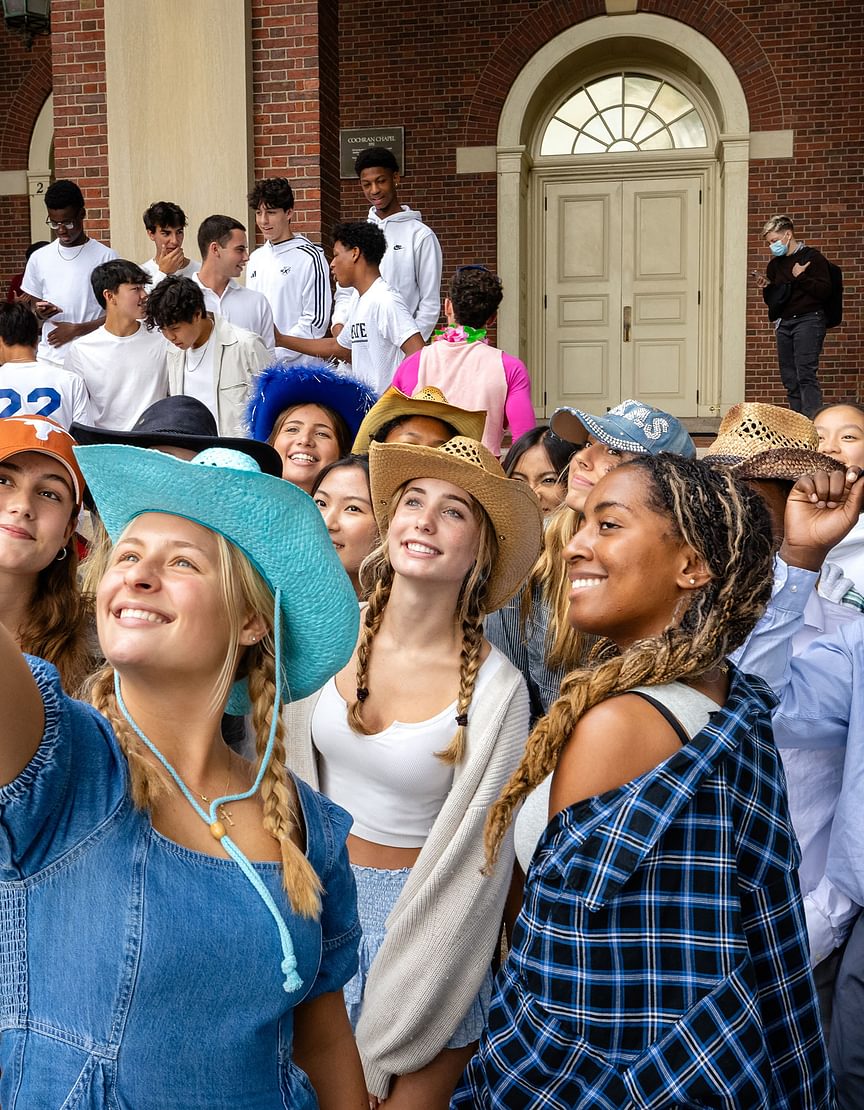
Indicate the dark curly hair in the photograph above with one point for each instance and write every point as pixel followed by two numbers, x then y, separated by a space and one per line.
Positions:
pixel 376 156
pixel 275 192
pixel 175 300
pixel 368 239
pixel 164 214
pixel 476 295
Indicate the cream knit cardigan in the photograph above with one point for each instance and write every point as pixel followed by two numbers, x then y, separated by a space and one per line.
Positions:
pixel 442 932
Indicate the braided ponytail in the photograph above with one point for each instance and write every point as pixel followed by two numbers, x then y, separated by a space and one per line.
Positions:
pixel 727 524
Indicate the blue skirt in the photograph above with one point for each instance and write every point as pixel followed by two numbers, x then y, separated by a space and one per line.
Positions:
pixel 377 892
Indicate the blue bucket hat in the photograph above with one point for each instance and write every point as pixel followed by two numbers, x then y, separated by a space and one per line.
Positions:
pixel 631 426
pixel 284 384
pixel 226 492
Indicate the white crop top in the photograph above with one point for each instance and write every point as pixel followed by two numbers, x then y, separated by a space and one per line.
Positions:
pixel 391 782
pixel 688 706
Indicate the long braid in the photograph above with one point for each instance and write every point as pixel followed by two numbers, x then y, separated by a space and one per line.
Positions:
pixel 469 666
pixel 727 524
pixel 148 781
pixel 300 880
pixel 371 624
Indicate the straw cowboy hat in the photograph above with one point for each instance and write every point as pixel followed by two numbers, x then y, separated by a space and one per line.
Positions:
pixel 429 401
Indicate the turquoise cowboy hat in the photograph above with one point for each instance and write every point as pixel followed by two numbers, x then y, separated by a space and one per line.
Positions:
pixel 271 521
pixel 284 384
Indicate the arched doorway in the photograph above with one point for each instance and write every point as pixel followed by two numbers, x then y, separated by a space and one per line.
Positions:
pixel 40 169
pixel 628 186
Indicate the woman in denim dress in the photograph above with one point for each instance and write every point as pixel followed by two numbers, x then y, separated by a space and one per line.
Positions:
pixel 177 924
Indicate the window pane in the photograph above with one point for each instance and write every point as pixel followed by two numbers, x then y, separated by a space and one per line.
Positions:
pixel 607 91
pixel 622 144
pixel 639 90
pixel 558 138
pixel 613 118
pixel 632 118
pixel 649 126
pixel 661 141
pixel 599 130
pixel 577 110
pixel 669 104
pixel 586 145
pixel 688 131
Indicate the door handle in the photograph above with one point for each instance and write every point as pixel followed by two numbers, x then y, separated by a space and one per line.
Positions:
pixel 627 318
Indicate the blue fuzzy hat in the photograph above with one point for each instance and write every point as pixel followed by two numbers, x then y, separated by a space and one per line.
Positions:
pixel 284 384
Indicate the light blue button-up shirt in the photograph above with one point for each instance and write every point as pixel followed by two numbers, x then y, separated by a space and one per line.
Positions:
pixel 818 711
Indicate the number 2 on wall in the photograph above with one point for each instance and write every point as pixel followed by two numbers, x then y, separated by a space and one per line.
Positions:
pixel 14 403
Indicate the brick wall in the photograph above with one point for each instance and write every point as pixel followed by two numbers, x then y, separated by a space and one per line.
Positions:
pixel 25 82
pixel 80 121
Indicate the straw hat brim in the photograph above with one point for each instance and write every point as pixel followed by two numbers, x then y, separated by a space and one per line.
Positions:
pixel 781 464
pixel 512 507
pixel 276 525
pixel 393 402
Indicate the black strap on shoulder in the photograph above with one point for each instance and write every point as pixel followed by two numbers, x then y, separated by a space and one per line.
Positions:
pixel 667 715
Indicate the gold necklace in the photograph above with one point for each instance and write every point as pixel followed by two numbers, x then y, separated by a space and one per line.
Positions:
pixel 225 815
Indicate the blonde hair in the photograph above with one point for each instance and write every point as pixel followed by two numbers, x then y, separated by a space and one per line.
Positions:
pixel 727 525
pixel 376 575
pixel 778 223
pixel 244 593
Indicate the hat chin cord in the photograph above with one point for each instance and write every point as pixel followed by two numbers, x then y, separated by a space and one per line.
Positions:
pixel 292 982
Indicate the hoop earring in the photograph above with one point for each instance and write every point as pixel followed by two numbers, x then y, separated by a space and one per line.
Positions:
pixel 61 555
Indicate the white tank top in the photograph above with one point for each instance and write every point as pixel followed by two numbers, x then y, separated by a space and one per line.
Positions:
pixel 688 706
pixel 391 782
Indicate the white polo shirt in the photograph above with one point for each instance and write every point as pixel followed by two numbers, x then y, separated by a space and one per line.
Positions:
pixel 242 307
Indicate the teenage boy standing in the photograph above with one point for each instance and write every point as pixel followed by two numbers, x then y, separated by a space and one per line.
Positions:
pixel 288 269
pixel 165 224
pixel 379 330
pixel 56 282
pixel 123 365
pixel 412 264
pixel 210 359
pixel 224 254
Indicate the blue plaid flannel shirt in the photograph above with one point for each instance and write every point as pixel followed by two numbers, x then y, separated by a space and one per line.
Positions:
pixel 660 959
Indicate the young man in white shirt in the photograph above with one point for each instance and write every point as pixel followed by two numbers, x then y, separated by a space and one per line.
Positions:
pixel 379 331
pixel 224 253
pixel 288 269
pixel 210 358
pixel 56 282
pixel 30 387
pixel 123 365
pixel 165 224
pixel 412 264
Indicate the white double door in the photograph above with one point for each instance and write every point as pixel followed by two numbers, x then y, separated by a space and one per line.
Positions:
pixel 622 296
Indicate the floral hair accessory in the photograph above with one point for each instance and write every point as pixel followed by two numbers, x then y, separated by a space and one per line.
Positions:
pixel 462 333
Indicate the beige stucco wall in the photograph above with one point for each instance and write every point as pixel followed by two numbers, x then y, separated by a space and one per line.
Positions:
pixel 179 113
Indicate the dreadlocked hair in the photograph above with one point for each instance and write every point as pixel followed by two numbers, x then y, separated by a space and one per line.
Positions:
pixel 548 585
pixel 59 620
pixel 244 592
pixel 376 577
pixel 727 525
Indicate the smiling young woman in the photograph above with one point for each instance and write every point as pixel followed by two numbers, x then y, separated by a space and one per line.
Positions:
pixel 41 487
pixel 231 924
pixel 415 736
pixel 660 953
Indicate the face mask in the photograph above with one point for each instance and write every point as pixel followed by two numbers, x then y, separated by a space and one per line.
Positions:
pixel 778 248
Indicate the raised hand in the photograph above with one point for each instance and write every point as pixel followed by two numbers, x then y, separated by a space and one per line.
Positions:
pixel 820 510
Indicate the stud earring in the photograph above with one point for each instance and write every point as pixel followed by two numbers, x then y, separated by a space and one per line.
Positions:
pixel 692 581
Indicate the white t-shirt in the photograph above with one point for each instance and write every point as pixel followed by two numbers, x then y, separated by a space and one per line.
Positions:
pixel 123 374
pixel 295 279
pixel 152 268
pixel 242 307
pixel 378 324
pixel 62 275
pixel 43 389
pixel 198 377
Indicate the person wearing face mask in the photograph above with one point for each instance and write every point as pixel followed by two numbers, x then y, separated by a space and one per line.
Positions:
pixel 795 288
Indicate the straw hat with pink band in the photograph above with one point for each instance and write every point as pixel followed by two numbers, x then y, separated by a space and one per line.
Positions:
pixel 41 434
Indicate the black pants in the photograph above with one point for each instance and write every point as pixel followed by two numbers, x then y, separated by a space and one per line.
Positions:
pixel 799 344
pixel 846 1044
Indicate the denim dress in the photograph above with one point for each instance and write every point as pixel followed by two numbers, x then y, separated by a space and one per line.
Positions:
pixel 135 972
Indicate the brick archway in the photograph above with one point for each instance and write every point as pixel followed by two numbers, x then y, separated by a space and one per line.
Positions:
pixel 34 90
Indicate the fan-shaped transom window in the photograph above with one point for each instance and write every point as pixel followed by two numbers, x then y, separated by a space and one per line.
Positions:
pixel 621 113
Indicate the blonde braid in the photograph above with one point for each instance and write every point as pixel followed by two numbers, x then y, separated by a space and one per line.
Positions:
pixel 148 780
pixel 727 525
pixel 371 624
pixel 469 666
pixel 280 805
